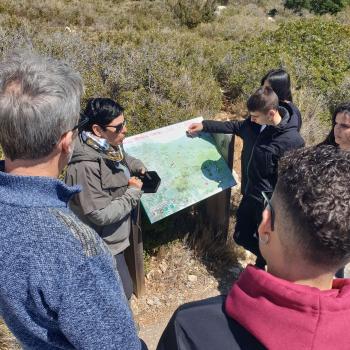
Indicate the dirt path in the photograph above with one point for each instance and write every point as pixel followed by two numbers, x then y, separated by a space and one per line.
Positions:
pixel 151 332
pixel 179 277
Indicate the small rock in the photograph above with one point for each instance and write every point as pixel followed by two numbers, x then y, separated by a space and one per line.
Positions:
pixel 149 275
pixel 163 266
pixel 192 278
pixel 156 301
pixel 150 302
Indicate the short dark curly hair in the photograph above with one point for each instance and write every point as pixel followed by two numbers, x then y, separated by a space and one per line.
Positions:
pixel 314 185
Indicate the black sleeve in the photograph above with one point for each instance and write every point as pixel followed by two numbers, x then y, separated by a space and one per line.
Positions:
pixel 168 340
pixel 236 127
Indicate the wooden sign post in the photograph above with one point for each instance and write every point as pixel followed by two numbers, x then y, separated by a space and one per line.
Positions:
pixel 134 255
pixel 217 207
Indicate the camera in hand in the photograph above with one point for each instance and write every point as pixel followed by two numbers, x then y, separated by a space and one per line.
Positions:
pixel 151 181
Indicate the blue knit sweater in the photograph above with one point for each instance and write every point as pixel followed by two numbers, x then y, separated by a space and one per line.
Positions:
pixel 58 287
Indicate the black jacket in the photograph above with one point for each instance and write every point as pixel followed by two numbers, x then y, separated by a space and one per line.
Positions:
pixel 204 325
pixel 261 150
pixel 295 112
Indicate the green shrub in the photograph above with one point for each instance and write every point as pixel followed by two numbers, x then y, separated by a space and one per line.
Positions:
pixel 237 23
pixel 317 6
pixel 160 80
pixel 192 12
pixel 316 53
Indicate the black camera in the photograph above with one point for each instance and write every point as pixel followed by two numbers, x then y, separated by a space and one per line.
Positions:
pixel 151 181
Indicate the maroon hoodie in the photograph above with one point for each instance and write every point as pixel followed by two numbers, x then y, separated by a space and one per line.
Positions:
pixel 284 315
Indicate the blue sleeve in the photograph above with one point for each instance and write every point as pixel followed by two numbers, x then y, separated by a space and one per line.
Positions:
pixel 93 312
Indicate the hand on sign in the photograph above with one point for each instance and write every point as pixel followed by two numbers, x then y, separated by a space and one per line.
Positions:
pixel 194 129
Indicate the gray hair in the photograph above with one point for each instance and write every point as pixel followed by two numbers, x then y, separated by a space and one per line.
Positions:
pixel 39 102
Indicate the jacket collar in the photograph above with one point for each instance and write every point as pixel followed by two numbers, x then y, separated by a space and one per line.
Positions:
pixel 34 191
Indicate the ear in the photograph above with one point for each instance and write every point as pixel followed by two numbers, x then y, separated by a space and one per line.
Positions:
pixel 66 142
pixel 97 130
pixel 264 229
pixel 271 114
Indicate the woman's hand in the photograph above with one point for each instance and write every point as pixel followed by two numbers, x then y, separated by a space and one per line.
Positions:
pixel 135 182
pixel 142 171
pixel 194 129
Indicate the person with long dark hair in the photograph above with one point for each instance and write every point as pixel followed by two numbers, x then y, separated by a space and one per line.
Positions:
pixel 340 133
pixel 339 136
pixel 279 81
pixel 108 176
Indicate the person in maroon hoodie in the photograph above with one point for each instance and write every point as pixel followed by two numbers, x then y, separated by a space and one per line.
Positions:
pixel 304 236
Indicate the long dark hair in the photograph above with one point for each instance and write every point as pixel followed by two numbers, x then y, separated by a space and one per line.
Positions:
pixel 279 80
pixel 330 139
pixel 101 111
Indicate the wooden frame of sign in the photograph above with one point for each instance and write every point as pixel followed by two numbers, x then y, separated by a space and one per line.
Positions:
pixel 217 215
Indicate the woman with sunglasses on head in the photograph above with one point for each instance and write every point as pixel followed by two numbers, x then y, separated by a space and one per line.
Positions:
pixel 279 81
pixel 108 176
pixel 339 136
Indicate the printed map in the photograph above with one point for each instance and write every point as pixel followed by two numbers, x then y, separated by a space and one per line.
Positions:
pixel 191 169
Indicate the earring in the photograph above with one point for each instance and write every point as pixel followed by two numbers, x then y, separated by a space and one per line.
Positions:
pixel 264 238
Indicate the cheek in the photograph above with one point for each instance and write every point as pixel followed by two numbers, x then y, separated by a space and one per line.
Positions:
pixel 119 138
pixel 347 135
pixel 337 131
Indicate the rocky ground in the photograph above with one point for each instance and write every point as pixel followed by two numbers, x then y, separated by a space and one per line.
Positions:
pixel 180 277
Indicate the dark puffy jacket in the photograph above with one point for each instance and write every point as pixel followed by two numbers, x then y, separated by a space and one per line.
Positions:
pixel 295 112
pixel 261 150
pixel 204 325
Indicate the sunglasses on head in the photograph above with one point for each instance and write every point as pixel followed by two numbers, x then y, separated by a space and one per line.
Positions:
pixel 268 206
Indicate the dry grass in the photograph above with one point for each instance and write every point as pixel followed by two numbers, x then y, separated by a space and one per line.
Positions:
pixel 7 340
pixel 313 107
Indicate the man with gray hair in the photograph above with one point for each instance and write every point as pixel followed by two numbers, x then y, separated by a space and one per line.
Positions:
pixel 58 287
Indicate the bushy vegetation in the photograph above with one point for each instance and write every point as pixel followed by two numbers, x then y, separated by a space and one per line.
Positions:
pixel 193 12
pixel 314 51
pixel 317 6
pixel 170 60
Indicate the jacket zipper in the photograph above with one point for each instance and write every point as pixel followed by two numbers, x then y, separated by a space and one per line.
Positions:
pixel 248 165
pixel 250 160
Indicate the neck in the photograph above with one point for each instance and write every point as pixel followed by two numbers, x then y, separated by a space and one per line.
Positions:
pixel 40 167
pixel 311 277
pixel 276 119
pixel 345 147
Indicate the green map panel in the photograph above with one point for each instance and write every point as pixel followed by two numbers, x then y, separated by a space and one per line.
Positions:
pixel 191 169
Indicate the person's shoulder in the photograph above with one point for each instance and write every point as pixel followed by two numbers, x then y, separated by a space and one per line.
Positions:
pixel 215 302
pixel 205 325
pixel 294 107
pixel 57 232
pixel 78 236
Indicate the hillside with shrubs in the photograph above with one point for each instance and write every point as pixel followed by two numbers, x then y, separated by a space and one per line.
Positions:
pixel 170 60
